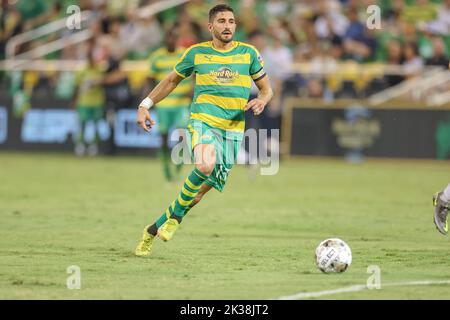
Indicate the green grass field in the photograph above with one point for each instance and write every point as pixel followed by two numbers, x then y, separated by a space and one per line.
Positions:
pixel 254 241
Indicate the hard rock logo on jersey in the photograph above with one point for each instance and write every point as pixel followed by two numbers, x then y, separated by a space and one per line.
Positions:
pixel 224 75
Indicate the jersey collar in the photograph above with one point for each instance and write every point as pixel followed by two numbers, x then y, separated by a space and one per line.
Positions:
pixel 234 45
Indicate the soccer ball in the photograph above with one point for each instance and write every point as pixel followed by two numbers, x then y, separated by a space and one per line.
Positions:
pixel 333 255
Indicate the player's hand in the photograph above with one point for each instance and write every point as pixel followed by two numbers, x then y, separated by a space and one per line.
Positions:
pixel 144 120
pixel 257 105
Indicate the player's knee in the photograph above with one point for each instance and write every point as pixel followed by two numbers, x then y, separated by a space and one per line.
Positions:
pixel 206 167
pixel 205 157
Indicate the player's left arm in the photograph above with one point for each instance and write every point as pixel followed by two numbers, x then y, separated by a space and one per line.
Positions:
pixel 265 94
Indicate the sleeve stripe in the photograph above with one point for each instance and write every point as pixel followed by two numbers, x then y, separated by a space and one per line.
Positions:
pixel 265 74
pixel 257 71
pixel 258 75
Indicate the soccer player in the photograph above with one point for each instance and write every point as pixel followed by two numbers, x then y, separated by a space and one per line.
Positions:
pixel 172 112
pixel 224 70
pixel 90 100
pixel 441 202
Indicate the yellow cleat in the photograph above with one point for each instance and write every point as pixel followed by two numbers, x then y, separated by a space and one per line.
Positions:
pixel 166 231
pixel 144 247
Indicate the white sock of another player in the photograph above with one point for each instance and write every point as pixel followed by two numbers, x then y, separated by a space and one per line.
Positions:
pixel 446 193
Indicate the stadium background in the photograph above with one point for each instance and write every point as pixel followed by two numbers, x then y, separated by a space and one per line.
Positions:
pixel 341 90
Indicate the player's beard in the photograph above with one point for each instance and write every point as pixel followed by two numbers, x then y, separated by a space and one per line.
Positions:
pixel 222 38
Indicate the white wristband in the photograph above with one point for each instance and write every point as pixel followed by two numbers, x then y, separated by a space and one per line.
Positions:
pixel 147 103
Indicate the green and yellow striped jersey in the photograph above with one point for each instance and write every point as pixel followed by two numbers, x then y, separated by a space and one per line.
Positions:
pixel 161 64
pixel 222 82
pixel 90 90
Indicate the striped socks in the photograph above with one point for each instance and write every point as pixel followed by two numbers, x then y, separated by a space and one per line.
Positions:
pixel 178 208
pixel 188 192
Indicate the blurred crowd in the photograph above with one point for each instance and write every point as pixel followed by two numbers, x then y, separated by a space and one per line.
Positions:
pixel 322 33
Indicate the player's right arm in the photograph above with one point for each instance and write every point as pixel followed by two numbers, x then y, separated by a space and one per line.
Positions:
pixel 162 90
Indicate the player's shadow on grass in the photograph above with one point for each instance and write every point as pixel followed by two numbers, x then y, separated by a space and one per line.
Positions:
pixel 118 255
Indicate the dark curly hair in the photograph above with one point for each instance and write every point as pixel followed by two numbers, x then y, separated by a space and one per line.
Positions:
pixel 219 8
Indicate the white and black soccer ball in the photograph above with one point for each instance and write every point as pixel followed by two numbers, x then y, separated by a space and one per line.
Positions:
pixel 333 256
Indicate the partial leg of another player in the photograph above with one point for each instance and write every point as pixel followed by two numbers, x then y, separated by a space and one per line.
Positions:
pixel 165 156
pixel 179 166
pixel 80 145
pixel 441 202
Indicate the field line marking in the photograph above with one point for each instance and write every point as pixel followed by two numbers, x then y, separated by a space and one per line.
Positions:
pixel 361 287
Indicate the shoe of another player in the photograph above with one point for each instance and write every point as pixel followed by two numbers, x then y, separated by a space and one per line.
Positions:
pixel 144 248
pixel 80 149
pixel 166 231
pixel 441 209
pixel 92 150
